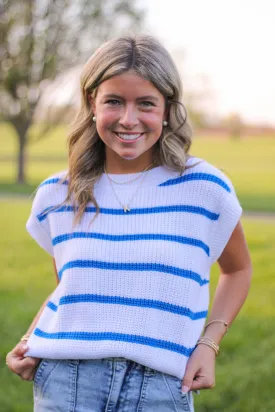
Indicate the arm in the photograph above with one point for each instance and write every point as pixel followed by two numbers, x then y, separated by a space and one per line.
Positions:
pixel 234 282
pixel 231 292
pixel 16 361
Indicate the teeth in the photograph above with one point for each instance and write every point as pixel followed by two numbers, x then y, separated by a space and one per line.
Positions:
pixel 129 136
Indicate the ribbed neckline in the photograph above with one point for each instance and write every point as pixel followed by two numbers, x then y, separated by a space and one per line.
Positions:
pixel 127 176
pixel 155 176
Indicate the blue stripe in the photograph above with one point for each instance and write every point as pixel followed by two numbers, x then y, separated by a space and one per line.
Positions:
pixel 155 267
pixel 197 176
pixel 122 337
pixel 139 211
pixel 52 306
pixel 141 236
pixel 142 303
pixel 54 180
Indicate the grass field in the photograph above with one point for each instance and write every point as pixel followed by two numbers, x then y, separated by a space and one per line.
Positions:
pixel 249 162
pixel 245 368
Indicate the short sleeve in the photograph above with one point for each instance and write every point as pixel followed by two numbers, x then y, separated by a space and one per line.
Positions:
pixel 230 212
pixel 38 225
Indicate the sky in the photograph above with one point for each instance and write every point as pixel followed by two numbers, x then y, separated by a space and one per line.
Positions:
pixel 224 49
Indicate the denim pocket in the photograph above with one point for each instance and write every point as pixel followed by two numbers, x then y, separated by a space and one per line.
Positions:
pixel 183 401
pixel 42 375
pixel 39 370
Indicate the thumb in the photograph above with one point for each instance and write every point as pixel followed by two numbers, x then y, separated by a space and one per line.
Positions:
pixel 21 349
pixel 188 380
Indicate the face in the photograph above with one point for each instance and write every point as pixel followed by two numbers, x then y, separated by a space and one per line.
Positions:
pixel 129 114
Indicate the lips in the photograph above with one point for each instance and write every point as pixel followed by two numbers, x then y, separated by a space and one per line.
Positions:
pixel 129 137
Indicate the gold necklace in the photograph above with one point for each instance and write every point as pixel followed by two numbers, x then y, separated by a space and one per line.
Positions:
pixel 126 206
pixel 129 181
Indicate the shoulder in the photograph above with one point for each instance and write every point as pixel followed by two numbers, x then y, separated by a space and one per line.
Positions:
pixel 51 191
pixel 57 182
pixel 201 177
pixel 49 194
pixel 201 170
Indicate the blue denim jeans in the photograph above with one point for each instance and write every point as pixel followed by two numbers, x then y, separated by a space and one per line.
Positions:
pixel 106 385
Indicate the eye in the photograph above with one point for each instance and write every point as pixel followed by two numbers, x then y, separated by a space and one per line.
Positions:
pixel 147 104
pixel 112 102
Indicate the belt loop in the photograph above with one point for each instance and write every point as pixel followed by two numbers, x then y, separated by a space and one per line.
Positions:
pixel 149 371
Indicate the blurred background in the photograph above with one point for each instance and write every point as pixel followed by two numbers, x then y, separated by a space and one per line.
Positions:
pixel 224 52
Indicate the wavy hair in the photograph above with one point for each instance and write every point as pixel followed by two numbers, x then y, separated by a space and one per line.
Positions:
pixel 146 57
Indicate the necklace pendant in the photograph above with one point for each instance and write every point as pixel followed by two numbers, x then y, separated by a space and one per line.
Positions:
pixel 126 209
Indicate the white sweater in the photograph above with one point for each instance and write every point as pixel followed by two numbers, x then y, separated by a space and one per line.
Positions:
pixel 134 284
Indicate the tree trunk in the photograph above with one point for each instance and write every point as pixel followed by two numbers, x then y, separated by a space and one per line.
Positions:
pixel 21 126
pixel 21 177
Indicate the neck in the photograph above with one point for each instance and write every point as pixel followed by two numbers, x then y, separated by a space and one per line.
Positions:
pixel 125 166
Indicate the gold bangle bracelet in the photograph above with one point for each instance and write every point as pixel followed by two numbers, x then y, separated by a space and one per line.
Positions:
pixel 211 346
pixel 206 338
pixel 211 343
pixel 208 344
pixel 218 321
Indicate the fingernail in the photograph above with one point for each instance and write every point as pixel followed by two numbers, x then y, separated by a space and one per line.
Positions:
pixel 185 389
pixel 25 347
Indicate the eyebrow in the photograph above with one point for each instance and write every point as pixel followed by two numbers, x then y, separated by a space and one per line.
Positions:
pixel 115 96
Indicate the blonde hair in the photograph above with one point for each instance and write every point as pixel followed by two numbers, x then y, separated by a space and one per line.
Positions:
pixel 146 57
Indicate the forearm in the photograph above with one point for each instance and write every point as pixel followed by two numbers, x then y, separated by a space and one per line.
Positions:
pixel 229 297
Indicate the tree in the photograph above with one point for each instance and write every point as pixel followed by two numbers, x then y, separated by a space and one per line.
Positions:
pixel 197 93
pixel 234 125
pixel 42 38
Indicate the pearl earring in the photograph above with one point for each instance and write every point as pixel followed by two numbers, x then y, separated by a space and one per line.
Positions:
pixel 165 123
pixel 94 119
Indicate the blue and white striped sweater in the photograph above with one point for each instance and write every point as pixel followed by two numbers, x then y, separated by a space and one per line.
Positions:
pixel 133 284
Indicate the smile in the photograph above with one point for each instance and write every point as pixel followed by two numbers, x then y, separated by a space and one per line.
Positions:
pixel 129 137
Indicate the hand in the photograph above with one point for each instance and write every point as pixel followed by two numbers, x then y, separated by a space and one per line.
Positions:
pixel 200 370
pixel 24 367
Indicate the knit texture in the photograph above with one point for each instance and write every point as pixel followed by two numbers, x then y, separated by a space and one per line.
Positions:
pixel 135 284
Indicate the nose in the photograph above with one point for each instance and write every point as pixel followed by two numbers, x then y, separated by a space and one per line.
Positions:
pixel 129 117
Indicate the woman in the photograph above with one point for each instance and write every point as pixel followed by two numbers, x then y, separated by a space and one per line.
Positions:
pixel 133 227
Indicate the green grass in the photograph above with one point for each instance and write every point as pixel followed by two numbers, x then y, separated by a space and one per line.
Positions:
pixel 245 368
pixel 249 163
